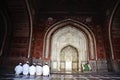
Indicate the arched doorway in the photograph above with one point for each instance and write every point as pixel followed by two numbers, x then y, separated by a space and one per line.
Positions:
pixel 64 35
pixel 69 59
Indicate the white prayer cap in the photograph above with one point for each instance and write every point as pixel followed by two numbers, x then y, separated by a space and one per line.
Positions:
pixel 46 62
pixel 20 63
pixel 27 61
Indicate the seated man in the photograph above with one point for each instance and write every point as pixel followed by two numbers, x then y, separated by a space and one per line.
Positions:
pixel 18 69
pixel 26 68
pixel 86 67
pixel 39 69
pixel 46 70
pixel 32 69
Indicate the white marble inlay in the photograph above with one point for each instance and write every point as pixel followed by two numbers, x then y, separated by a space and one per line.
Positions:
pixel 61 35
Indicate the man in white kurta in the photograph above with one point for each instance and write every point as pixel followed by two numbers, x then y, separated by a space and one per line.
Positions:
pixel 32 69
pixel 46 70
pixel 39 69
pixel 18 69
pixel 26 68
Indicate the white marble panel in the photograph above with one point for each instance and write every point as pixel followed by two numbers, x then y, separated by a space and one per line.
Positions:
pixel 59 37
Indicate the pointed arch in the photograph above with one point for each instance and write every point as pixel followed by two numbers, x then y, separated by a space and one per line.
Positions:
pixel 69 59
pixel 76 25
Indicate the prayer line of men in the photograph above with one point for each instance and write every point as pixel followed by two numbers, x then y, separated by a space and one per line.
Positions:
pixel 34 69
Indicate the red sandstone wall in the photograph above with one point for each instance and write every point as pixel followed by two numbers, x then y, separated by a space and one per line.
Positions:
pixel 43 24
pixel 115 36
pixel 20 28
pixel 16 46
pixel 115 33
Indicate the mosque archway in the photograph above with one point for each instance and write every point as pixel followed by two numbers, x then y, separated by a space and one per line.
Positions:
pixel 69 59
pixel 68 45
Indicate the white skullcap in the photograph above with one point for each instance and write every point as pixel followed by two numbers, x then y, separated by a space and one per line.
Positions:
pixel 46 62
pixel 20 63
pixel 27 61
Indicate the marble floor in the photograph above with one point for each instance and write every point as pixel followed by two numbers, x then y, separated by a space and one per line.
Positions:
pixel 63 77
